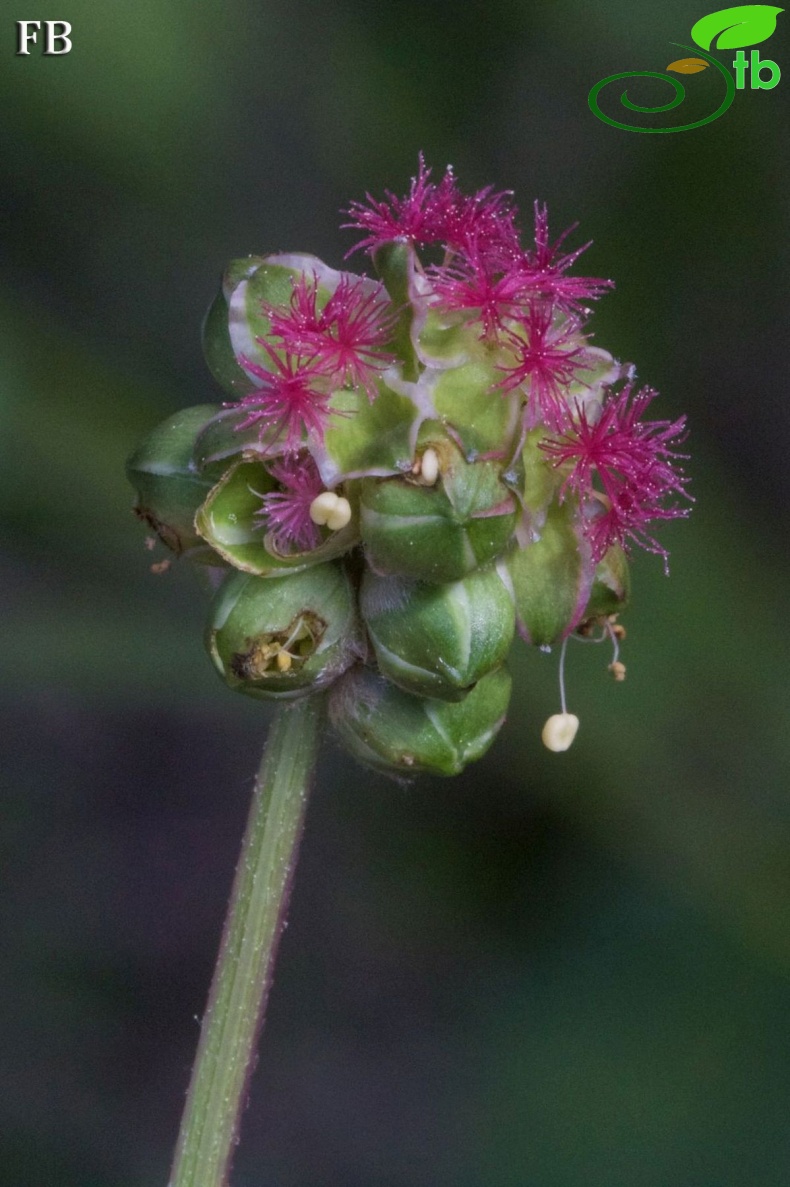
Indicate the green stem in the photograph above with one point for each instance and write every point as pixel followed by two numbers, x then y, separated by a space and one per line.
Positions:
pixel 243 975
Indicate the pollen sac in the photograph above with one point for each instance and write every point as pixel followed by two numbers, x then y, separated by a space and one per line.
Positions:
pixel 440 532
pixel 170 487
pixel 393 731
pixel 551 577
pixel 438 640
pixel 283 637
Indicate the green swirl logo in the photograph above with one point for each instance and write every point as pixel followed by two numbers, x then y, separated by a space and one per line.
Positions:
pixel 731 28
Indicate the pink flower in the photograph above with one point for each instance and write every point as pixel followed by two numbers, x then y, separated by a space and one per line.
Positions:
pixel 410 218
pixel 470 283
pixel 633 463
pixel 485 221
pixel 440 213
pixel 548 360
pixel 288 400
pixel 345 340
pixel 545 268
pixel 286 512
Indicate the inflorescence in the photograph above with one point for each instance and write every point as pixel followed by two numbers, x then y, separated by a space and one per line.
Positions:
pixel 447 429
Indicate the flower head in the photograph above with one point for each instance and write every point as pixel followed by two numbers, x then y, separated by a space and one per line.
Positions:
pixel 286 512
pixel 634 466
pixel 484 221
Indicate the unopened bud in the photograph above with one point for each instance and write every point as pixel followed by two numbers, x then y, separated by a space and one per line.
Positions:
pixel 617 668
pixel 392 731
pixel 438 640
pixel 439 532
pixel 550 577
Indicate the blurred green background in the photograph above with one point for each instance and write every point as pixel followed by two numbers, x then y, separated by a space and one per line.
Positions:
pixel 553 971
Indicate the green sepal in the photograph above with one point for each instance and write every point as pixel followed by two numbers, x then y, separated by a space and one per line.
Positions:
pixel 601 370
pixel 309 614
pixel 440 532
pixel 541 479
pixel 394 263
pixel 226 521
pixel 217 344
pixel 438 640
pixel 551 577
pixel 483 420
pixel 223 440
pixel 392 731
pixel 169 486
pixel 364 437
pixel 611 585
pixel 270 283
pixel 445 339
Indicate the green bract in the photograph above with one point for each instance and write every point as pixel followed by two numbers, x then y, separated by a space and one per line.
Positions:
pixel 551 577
pixel 439 532
pixel 438 640
pixel 169 486
pixel 396 732
pixel 283 637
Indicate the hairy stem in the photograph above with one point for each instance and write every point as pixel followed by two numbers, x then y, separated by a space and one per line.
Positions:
pixel 243 975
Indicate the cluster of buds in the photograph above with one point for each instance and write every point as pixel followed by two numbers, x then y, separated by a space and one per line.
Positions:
pixel 409 470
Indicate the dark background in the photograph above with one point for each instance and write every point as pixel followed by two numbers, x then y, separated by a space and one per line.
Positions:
pixel 552 971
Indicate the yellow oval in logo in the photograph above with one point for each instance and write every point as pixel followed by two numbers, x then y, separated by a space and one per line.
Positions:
pixel 688 65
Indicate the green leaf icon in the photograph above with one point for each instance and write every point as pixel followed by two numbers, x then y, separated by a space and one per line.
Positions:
pixel 746 24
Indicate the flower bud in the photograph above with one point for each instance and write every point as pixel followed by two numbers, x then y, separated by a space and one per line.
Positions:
pixel 439 532
pixel 169 487
pixel 395 732
pixel 551 577
pixel 438 640
pixel 282 637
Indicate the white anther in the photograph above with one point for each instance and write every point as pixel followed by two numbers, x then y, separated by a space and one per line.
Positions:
pixel 339 516
pixel 322 507
pixel 559 731
pixel 429 471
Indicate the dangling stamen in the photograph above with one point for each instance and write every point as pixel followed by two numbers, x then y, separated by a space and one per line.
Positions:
pixel 616 667
pixel 560 729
